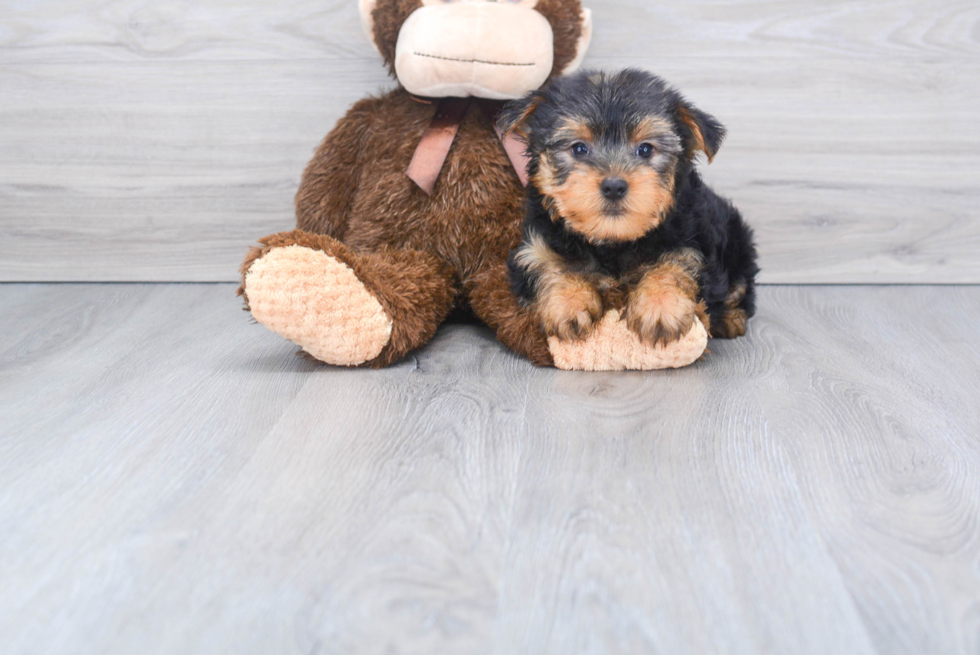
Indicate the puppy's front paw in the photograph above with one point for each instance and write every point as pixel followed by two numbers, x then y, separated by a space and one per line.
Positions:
pixel 660 314
pixel 570 310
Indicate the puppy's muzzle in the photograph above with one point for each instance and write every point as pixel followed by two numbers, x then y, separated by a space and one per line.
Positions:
pixel 614 188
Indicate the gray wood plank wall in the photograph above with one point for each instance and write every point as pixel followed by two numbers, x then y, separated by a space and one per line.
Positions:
pixel 156 141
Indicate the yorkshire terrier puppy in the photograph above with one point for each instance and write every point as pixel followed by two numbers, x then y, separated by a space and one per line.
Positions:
pixel 618 217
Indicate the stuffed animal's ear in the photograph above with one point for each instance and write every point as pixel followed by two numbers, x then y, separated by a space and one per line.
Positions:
pixel 366 9
pixel 706 132
pixel 515 114
pixel 584 39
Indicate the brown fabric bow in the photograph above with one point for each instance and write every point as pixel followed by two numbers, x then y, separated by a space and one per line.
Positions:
pixel 433 149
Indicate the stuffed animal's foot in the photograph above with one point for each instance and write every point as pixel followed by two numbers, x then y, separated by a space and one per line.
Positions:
pixel 614 347
pixel 344 307
pixel 316 301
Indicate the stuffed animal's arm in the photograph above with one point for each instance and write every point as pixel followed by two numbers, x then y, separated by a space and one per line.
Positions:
pixel 329 184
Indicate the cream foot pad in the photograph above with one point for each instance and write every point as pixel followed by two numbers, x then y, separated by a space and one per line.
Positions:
pixel 317 302
pixel 614 347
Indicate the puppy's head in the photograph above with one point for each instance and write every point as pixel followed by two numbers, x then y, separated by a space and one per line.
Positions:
pixel 606 149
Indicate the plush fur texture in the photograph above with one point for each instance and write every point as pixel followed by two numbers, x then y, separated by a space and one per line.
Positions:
pixel 618 217
pixel 568 19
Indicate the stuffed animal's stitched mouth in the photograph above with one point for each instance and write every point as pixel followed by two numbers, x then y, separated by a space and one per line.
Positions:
pixel 469 61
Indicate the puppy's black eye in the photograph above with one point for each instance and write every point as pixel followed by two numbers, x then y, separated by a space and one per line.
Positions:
pixel 580 149
pixel 645 150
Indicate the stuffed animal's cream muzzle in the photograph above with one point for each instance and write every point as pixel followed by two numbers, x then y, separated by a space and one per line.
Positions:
pixel 484 49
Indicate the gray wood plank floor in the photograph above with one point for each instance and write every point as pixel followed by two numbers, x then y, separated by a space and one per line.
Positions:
pixel 156 142
pixel 173 479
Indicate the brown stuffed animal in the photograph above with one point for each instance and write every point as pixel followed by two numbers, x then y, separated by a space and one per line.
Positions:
pixel 412 204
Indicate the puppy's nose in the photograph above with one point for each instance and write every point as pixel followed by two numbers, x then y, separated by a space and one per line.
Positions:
pixel 614 188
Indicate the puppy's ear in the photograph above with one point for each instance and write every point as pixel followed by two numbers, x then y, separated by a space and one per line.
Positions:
pixel 515 114
pixel 706 132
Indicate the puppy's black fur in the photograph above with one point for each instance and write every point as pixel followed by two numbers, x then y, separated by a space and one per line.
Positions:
pixel 606 112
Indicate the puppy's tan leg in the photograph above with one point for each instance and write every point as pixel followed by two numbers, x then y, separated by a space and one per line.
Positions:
pixel 566 302
pixel 663 304
pixel 568 306
pixel 733 321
